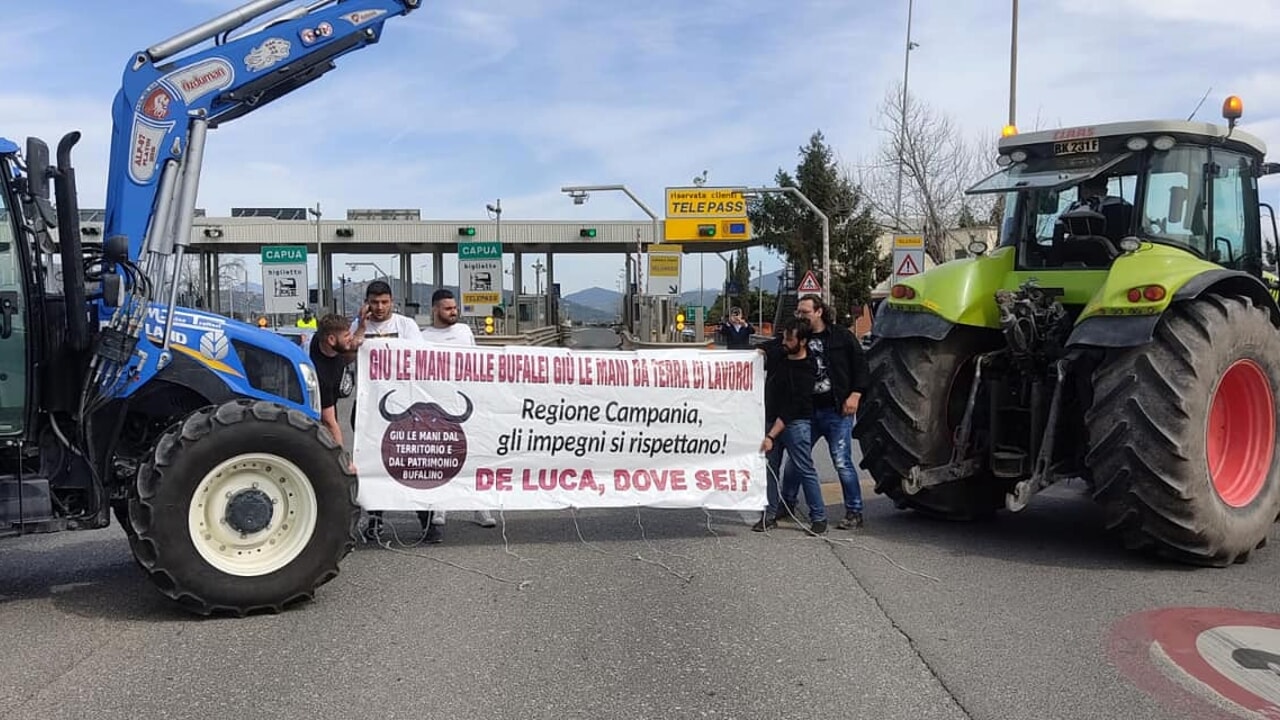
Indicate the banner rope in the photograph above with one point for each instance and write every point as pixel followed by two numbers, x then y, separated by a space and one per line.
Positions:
pixel 386 544
pixel 845 541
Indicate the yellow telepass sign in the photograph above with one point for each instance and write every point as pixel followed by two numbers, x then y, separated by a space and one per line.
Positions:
pixel 705 202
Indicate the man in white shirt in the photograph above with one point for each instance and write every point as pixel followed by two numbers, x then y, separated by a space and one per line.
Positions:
pixel 378 319
pixel 446 329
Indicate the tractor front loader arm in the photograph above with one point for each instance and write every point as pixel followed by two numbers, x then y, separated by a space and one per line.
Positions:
pixel 165 106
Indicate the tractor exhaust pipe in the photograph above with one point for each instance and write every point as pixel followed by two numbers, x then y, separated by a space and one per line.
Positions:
pixel 64 186
pixel 227 21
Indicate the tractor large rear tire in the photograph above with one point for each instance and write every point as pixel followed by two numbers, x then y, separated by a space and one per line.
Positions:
pixel 1182 434
pixel 917 395
pixel 244 507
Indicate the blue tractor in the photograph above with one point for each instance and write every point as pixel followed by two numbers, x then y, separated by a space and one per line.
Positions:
pixel 200 434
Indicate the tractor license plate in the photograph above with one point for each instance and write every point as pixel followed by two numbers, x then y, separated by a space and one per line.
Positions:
pixel 1075 147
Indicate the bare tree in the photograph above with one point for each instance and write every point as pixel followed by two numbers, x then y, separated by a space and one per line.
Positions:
pixel 938 163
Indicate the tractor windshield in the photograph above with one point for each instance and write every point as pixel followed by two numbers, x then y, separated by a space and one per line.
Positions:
pixel 1189 196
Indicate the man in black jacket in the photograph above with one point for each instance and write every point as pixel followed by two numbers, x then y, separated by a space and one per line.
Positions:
pixel 789 406
pixel 843 376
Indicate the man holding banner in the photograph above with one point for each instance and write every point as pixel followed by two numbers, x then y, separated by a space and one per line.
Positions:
pixel 789 401
pixel 445 328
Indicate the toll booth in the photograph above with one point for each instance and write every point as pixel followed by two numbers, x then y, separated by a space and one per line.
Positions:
pixel 531 311
pixel 662 318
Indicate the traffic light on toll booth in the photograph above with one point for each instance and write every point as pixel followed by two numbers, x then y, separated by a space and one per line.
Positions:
pixel 587 232
pixel 706 231
pixel 680 322
pixel 467 231
pixel 488 325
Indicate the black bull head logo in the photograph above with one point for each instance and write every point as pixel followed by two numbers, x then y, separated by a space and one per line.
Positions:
pixel 421 411
pixel 424 446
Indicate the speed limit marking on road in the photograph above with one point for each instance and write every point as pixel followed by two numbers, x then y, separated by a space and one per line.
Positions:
pixel 1227 659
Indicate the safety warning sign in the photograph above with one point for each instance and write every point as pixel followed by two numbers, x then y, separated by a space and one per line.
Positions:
pixel 809 284
pixel 908 256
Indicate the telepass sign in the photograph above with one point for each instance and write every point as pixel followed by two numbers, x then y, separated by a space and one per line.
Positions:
pixel 706 214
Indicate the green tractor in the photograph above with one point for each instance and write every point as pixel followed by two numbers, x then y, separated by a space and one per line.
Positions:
pixel 1123 331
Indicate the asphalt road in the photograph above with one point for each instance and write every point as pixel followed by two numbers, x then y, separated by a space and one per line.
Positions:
pixel 619 614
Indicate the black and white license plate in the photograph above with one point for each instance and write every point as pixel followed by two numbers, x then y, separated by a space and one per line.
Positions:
pixel 1075 147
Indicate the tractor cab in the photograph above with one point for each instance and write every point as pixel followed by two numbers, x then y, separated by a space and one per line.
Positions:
pixel 1078 198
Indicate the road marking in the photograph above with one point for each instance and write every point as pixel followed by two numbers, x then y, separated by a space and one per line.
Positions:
pixel 1227 659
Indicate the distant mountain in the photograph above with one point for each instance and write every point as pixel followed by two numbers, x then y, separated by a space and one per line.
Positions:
pixel 595 304
pixel 597 298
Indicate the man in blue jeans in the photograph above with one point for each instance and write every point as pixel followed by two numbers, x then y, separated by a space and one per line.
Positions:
pixel 842 377
pixel 789 380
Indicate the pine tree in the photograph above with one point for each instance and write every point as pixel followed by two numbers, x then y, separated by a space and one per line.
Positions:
pixel 788 227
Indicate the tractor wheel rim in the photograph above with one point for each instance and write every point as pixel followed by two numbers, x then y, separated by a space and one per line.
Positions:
pixel 221 495
pixel 1240 435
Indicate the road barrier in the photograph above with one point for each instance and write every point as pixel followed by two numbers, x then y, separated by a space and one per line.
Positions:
pixel 631 342
pixel 552 335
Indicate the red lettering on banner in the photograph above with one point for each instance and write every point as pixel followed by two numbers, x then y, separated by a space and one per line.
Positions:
pixel 473 367
pixel 404 368
pixel 584 372
pixel 380 364
pixel 522 369
pixel 431 365
pixel 721 480
pixel 612 371
pixel 490 479
pixel 559 479
pixel 644 480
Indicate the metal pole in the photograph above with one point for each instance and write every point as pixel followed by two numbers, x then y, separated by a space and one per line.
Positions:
pixel 826 231
pixel 760 295
pixel 1013 67
pixel 653 217
pixel 902 124
pixel 320 261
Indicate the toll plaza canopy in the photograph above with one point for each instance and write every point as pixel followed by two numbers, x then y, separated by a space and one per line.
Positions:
pixel 247 235
pixel 387 232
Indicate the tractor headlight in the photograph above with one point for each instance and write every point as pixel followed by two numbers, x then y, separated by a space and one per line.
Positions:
pixel 1129 244
pixel 977 247
pixel 312 382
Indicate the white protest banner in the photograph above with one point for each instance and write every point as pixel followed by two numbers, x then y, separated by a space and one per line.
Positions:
pixel 443 427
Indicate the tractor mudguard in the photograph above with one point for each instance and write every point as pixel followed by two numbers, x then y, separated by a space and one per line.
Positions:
pixel 1112 319
pixel 959 292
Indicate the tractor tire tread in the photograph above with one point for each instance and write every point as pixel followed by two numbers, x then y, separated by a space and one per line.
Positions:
pixel 169 452
pixel 1146 435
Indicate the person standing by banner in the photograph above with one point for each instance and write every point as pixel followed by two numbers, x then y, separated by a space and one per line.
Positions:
pixel 377 319
pixel 789 399
pixel 446 329
pixel 330 350
pixel 843 375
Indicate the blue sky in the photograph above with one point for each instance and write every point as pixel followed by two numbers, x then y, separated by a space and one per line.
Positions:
pixel 465 102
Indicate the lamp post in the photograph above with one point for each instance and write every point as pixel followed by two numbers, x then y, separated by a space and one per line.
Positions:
pixel 579 193
pixel 342 280
pixel 760 301
pixel 320 283
pixel 1013 67
pixel 826 231
pixel 902 125
pixel 375 266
